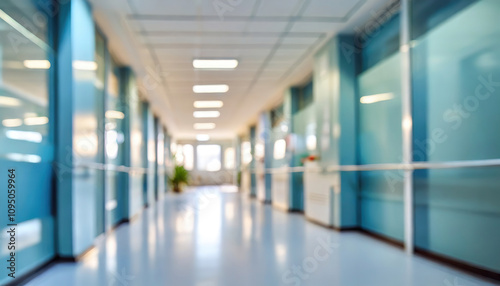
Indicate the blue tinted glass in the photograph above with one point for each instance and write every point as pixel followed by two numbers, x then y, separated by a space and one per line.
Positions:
pixel 380 44
pixel 427 14
pixel 379 128
pixel 456 87
pixel 26 141
pixel 380 141
pixel 114 146
pixel 456 95
pixel 457 214
pixel 380 133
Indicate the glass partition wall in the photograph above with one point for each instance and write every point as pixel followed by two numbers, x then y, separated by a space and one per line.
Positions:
pixel 380 134
pixel 115 181
pixel 455 96
pixel 26 133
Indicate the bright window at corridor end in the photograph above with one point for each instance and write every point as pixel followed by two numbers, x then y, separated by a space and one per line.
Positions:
pixel 208 157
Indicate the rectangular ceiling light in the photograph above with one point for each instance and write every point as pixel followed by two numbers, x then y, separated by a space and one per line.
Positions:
pixel 85 65
pixel 35 137
pixel 369 99
pixel 9 101
pixel 215 64
pixel 204 126
pixel 202 137
pixel 31 121
pixel 208 104
pixel 214 88
pixel 16 122
pixel 113 114
pixel 37 64
pixel 206 114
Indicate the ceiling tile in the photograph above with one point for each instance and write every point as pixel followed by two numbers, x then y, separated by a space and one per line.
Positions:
pixel 316 27
pixel 300 40
pixel 330 8
pixel 228 8
pixel 185 7
pixel 267 26
pixel 277 8
pixel 200 40
pixel 164 25
pixel 224 26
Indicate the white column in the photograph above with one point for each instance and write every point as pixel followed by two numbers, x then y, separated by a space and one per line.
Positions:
pixel 407 124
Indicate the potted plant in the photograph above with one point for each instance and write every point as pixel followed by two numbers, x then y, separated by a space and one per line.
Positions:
pixel 179 177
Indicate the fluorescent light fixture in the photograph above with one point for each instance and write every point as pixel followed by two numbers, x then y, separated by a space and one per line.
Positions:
pixel 85 65
pixel 214 88
pixel 204 126
pixel 36 120
pixel 113 114
pixel 18 157
pixel 208 104
pixel 12 122
pixel 215 64
pixel 376 98
pixel 206 114
pixel 9 101
pixel 37 64
pixel 35 137
pixel 202 137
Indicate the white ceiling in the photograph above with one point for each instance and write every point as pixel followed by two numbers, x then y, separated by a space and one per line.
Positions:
pixel 274 41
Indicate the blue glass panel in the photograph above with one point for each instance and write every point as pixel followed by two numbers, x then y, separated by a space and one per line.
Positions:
pixel 456 99
pixel 304 138
pixel 380 133
pixel 427 14
pixel 380 44
pixel 380 141
pixel 26 133
pixel 88 100
pixel 457 214
pixel 114 147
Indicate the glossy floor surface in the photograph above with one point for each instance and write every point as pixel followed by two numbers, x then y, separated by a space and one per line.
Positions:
pixel 213 236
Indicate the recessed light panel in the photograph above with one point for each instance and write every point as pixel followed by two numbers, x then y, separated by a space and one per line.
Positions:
pixel 202 137
pixel 15 122
pixel 206 114
pixel 37 64
pixel 85 65
pixel 208 104
pixel 113 114
pixel 213 88
pixel 32 121
pixel 9 101
pixel 215 64
pixel 204 126
pixel 35 137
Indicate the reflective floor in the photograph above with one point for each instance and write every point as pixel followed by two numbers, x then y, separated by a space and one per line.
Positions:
pixel 213 236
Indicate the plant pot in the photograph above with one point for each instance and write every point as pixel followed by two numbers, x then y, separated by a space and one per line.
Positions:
pixel 177 188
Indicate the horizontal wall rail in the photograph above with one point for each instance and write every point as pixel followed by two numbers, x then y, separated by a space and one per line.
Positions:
pixel 386 167
pixel 109 167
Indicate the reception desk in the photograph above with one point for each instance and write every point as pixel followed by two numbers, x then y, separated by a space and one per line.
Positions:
pixel 319 194
pixel 281 188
